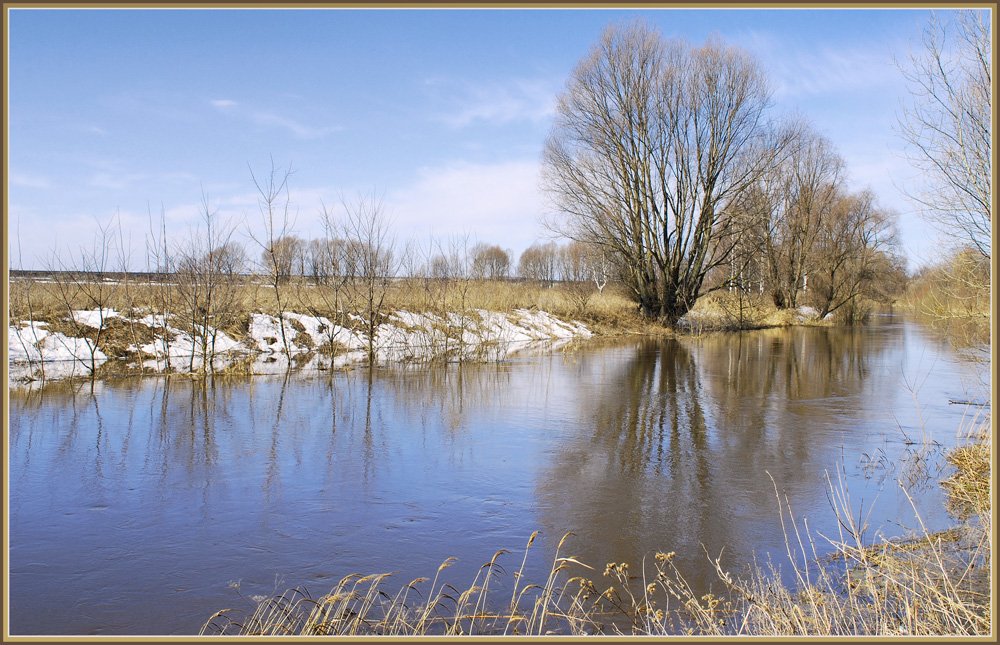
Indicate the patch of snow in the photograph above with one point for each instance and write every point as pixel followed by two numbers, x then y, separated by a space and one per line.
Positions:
pixel 696 319
pixel 58 347
pixel 542 324
pixel 178 348
pixel 48 370
pixel 409 319
pixel 266 330
pixel 804 313
pixel 221 342
pixel 23 343
pixel 349 339
pixel 317 328
pixel 93 317
pixel 404 337
pixel 154 321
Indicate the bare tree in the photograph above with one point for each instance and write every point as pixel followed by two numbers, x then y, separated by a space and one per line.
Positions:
pixel 571 259
pixel 21 308
pixel 209 266
pixel 855 245
pixel 333 268
pixel 286 256
pixel 946 125
pixel 652 140
pixel 577 270
pixel 600 268
pixel 489 262
pixel 230 258
pixel 370 259
pixel 538 262
pixel 274 205
pixel 783 214
pixel 320 260
pixel 440 267
pixel 88 281
pixel 160 264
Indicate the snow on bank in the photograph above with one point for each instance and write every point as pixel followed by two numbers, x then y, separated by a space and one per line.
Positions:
pixel 804 313
pixel 409 337
pixel 697 320
pixel 94 317
pixel 34 352
pixel 305 342
pixel 34 343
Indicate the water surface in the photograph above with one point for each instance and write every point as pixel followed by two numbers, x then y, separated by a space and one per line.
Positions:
pixel 144 506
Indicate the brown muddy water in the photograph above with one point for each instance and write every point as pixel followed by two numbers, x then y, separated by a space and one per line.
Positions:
pixel 139 506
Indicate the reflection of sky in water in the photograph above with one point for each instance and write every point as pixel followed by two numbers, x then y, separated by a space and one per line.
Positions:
pixel 133 505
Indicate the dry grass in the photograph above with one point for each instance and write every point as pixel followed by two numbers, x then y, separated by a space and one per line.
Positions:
pixel 734 311
pixel 361 605
pixel 958 287
pixel 968 488
pixel 609 312
pixel 954 298
pixel 120 338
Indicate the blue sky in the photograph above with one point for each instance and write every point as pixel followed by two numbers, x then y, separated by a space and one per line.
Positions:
pixel 445 111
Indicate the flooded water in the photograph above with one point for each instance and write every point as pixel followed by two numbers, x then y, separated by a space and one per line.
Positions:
pixel 144 506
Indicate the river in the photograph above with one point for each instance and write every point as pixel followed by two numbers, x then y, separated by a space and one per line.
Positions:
pixel 142 506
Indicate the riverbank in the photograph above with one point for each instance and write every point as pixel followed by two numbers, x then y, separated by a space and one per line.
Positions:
pixel 159 344
pixel 146 328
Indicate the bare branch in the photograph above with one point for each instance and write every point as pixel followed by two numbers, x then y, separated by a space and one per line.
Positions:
pixel 946 127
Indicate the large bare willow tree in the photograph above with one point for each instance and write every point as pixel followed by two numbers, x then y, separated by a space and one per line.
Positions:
pixel 652 140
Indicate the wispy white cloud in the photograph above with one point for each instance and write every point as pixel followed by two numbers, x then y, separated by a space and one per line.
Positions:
pixel 115 180
pixel 517 99
pixel 29 181
pixel 800 69
pixel 829 71
pixel 497 203
pixel 96 130
pixel 268 119
pixel 298 130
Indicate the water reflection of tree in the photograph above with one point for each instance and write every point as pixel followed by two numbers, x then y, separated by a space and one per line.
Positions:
pixel 798 363
pixel 449 391
pixel 675 447
pixel 640 474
